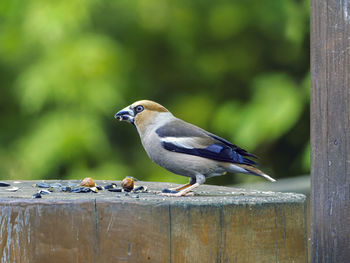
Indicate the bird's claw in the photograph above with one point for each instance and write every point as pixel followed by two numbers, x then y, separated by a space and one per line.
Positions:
pixel 177 194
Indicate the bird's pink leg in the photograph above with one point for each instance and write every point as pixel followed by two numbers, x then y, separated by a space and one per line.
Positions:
pixel 180 187
pixel 184 192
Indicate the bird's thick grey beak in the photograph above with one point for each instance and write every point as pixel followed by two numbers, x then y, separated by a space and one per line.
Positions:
pixel 125 114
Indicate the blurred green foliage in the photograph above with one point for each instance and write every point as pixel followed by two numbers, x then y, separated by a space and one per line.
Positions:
pixel 236 68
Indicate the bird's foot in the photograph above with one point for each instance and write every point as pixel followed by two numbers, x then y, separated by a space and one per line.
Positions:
pixel 179 188
pixel 176 194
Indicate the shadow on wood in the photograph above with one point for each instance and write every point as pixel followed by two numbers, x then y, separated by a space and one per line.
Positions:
pixel 220 224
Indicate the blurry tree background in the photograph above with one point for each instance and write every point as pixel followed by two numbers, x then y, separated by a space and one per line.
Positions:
pixel 239 69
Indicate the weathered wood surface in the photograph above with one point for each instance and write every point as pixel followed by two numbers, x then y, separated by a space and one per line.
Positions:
pixel 330 130
pixel 220 224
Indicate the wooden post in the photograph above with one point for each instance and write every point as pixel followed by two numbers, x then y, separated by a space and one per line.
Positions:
pixel 221 224
pixel 330 131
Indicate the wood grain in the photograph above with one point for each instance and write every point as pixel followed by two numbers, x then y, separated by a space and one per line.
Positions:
pixel 220 224
pixel 330 131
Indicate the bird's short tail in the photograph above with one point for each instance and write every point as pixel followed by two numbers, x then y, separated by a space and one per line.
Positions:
pixel 254 171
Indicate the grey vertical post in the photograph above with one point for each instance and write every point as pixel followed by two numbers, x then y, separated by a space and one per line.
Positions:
pixel 330 131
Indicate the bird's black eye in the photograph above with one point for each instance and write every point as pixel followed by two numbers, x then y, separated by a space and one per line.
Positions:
pixel 139 108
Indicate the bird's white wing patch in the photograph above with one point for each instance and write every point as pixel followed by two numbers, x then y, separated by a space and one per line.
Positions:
pixel 184 142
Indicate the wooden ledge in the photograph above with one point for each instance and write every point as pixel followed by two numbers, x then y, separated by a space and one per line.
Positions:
pixel 220 224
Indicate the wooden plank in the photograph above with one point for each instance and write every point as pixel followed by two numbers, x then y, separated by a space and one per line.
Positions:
pixel 49 232
pixel 273 240
pixel 196 233
pixel 220 224
pixel 129 232
pixel 330 131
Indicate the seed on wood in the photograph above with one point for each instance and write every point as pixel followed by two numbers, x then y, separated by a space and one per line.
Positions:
pixel 88 182
pixel 43 185
pixel 66 189
pixel 139 188
pixel 115 190
pixel 56 185
pixel 76 190
pixel 80 189
pixel 52 189
pixel 128 184
pixel 110 186
pixel 44 192
pixel 94 189
pixel 36 195
pixel 13 189
pixel 85 189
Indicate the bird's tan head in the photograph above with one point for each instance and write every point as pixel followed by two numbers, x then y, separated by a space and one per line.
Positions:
pixel 141 113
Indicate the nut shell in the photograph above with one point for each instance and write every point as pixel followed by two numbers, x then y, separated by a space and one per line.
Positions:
pixel 127 184
pixel 88 182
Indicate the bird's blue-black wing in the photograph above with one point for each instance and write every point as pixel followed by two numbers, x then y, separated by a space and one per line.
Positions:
pixel 182 137
pixel 216 152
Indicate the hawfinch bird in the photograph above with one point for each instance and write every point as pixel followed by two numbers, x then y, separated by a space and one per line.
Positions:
pixel 185 149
